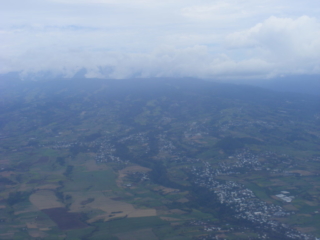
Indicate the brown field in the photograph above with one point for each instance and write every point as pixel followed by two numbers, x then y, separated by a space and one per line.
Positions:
pixel 7 235
pixel 183 200
pixel 36 233
pixel 311 203
pixel 111 208
pixel 7 174
pixel 47 187
pixel 276 182
pixel 91 165
pixel 79 197
pixel 45 199
pixel 169 211
pixel 304 215
pixel 197 139
pixel 222 236
pixel 4 161
pixel 290 207
pixel 306 229
pixel 32 225
pixel 64 219
pixel 165 190
pixel 142 213
pixel 142 234
pixel 44 229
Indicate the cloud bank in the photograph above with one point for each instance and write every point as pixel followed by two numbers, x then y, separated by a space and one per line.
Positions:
pixel 149 38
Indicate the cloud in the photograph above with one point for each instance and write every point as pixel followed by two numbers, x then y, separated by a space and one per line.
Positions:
pixel 165 61
pixel 293 45
pixel 151 38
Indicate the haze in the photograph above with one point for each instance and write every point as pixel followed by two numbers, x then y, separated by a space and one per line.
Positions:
pixel 230 39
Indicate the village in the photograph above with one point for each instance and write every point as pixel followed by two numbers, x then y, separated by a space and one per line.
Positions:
pixel 241 200
pixel 244 203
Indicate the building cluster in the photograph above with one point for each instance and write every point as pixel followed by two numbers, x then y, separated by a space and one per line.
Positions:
pixel 244 161
pixel 106 152
pixel 315 159
pixel 165 120
pixel 211 237
pixel 165 145
pixel 215 231
pixel 62 145
pixel 138 176
pixel 284 197
pixel 246 124
pixel 195 129
pixel 241 200
pixel 210 226
pixel 244 203
pixel 140 138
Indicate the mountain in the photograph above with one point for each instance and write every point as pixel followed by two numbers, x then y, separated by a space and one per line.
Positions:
pixel 307 84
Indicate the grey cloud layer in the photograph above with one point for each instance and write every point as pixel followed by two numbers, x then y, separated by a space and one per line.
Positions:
pixel 151 38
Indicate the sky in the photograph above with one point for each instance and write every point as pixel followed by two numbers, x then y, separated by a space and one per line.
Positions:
pixel 228 39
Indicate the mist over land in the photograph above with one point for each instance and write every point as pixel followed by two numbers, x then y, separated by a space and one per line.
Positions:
pixel 160 120
pixel 163 158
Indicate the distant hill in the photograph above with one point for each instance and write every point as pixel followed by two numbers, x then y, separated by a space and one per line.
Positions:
pixel 309 84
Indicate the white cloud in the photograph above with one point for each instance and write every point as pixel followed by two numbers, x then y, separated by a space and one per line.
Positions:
pixel 145 38
pixel 165 61
pixel 293 45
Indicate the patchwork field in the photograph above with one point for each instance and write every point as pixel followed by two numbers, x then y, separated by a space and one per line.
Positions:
pixel 45 199
pixel 114 161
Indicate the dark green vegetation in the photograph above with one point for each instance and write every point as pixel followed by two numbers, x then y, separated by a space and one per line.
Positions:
pixel 128 160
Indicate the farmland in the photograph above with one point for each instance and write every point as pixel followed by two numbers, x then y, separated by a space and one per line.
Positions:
pixel 164 162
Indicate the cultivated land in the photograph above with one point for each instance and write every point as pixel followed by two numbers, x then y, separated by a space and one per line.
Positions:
pixel 129 160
